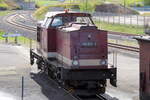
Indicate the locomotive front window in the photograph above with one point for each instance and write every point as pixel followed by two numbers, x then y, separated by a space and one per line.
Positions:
pixel 57 22
pixel 77 19
pixel 84 20
pixel 65 20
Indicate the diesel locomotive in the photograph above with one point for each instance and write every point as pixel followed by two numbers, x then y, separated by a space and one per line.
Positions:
pixel 73 51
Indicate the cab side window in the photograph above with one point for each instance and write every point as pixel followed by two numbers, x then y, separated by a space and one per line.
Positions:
pixel 47 23
pixel 57 22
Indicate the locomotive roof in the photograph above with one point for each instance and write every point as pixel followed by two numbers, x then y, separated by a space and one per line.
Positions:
pixel 62 13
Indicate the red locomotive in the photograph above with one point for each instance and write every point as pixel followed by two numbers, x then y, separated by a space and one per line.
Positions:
pixel 73 51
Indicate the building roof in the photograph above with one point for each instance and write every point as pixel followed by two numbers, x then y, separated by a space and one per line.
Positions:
pixel 63 13
pixel 143 38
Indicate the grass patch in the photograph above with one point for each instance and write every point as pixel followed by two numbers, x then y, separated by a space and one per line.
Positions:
pixel 120 28
pixel 97 2
pixel 39 13
pixel 8 5
pixel 4 13
pixel 11 39
pixel 41 3
pixel 1 33
pixel 145 14
pixel 124 42
pixel 3 4
pixel 11 4
pixel 46 2
pixel 21 40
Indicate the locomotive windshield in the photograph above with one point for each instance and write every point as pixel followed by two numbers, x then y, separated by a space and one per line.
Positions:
pixel 62 21
pixel 57 22
pixel 75 19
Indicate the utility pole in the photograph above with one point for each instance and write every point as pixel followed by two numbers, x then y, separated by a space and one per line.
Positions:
pixel 124 10
pixel 124 3
pixel 29 3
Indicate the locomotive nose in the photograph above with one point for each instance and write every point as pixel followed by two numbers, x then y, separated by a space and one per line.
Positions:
pixel 92 44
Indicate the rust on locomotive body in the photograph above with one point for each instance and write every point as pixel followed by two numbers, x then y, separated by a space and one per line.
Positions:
pixel 77 46
pixel 144 42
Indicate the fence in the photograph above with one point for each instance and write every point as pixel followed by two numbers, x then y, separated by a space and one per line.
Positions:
pixel 20 87
pixel 113 18
pixel 20 40
pixel 145 8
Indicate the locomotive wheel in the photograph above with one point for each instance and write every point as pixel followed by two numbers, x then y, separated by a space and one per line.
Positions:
pixel 51 74
pixel 58 77
pixel 46 70
pixel 41 65
pixel 31 61
pixel 38 64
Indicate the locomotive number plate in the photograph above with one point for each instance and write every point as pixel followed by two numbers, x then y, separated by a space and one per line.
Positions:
pixel 89 44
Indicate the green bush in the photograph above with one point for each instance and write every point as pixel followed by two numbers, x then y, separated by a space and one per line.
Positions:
pixel 3 6
pixel 139 5
pixel 147 2
pixel 8 4
pixel 39 13
pixel 86 7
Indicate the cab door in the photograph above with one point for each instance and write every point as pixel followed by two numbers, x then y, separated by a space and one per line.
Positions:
pixel 44 35
pixel 52 33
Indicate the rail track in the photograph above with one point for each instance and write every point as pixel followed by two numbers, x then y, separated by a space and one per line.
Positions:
pixel 123 47
pixel 96 97
pixel 11 20
pixel 92 97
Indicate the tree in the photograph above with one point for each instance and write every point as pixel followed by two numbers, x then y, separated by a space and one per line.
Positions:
pixel 88 5
pixel 147 2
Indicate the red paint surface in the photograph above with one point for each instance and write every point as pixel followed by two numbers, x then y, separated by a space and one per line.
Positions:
pixel 69 43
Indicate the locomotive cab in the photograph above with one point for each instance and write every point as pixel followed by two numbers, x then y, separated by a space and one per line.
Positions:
pixel 74 51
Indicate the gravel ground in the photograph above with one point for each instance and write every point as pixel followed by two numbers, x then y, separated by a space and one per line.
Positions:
pixel 37 86
pixel 127 75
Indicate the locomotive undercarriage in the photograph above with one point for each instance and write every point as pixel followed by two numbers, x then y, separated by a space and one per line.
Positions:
pixel 87 82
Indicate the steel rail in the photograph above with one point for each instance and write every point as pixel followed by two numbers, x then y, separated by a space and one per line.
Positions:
pixel 11 20
pixel 95 97
pixel 101 97
pixel 122 33
pixel 123 47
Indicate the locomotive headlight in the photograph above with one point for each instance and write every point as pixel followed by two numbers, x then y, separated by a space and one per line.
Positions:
pixel 75 62
pixel 103 62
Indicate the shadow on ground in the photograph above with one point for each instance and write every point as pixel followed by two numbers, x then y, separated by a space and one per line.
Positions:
pixel 50 88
